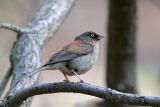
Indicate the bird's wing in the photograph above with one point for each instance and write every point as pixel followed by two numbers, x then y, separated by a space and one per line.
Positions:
pixel 71 51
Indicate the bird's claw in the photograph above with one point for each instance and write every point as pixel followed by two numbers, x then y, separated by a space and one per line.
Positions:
pixel 66 80
pixel 81 81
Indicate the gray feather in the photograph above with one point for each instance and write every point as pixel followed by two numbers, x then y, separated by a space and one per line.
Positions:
pixel 69 55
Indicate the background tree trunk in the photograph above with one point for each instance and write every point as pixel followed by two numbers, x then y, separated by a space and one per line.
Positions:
pixel 121 47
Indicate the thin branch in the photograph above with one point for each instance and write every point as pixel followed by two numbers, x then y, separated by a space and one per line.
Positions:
pixel 5 80
pixel 84 88
pixel 12 27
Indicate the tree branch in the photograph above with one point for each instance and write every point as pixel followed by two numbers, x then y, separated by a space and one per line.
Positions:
pixel 12 27
pixel 84 88
pixel 26 51
pixel 5 80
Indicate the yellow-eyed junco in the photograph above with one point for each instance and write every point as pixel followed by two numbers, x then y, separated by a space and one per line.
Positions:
pixel 76 58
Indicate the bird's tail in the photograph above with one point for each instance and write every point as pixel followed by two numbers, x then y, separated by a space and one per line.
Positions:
pixel 32 73
pixel 36 71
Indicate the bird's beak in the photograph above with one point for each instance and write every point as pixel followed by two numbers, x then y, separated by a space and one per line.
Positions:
pixel 100 37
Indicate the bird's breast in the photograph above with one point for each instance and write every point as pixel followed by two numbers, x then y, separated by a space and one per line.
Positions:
pixel 82 64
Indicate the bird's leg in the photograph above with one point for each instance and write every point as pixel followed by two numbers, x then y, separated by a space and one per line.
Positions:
pixel 63 69
pixel 78 76
pixel 71 71
pixel 67 80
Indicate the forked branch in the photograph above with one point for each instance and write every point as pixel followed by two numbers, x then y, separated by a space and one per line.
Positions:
pixel 12 27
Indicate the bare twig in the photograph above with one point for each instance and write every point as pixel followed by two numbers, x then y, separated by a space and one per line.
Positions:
pixel 12 27
pixel 84 88
pixel 5 80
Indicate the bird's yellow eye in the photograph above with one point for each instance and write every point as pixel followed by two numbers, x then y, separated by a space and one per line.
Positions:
pixel 92 35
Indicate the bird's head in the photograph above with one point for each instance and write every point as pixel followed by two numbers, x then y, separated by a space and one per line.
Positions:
pixel 89 37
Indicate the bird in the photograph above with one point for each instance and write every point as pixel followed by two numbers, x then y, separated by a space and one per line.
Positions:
pixel 76 58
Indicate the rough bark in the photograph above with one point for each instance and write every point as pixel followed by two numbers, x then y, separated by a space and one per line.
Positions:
pixel 26 51
pixel 121 47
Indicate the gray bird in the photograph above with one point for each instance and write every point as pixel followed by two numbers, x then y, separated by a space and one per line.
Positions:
pixel 76 58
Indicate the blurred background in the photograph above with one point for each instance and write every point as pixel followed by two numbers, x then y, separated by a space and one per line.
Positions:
pixel 87 15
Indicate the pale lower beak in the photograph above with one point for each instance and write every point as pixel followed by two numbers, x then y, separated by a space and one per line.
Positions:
pixel 100 37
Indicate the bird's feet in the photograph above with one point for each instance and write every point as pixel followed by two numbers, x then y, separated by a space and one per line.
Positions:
pixel 81 81
pixel 66 80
